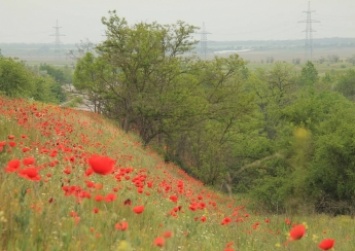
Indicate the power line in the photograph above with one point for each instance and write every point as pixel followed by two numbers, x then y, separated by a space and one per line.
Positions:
pixel 309 30
pixel 203 41
pixel 57 36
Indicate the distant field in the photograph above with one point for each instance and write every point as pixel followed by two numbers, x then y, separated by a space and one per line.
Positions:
pixel 257 53
pixel 288 55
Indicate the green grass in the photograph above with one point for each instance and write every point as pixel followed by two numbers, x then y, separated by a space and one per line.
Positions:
pixel 39 215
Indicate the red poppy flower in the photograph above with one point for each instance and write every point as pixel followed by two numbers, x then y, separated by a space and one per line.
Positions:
pixel 326 244
pixel 28 161
pixel 122 226
pixel 138 209
pixel 67 170
pixel 102 165
pixel 110 197
pixel 30 173
pixel 173 198
pixel 88 172
pixel 229 246
pixel 297 232
pixel 256 225
pixel 168 234
pixel 99 197
pixel 90 184
pixel 26 149
pixel 159 241
pixel 11 136
pixel 12 143
pixel 13 166
pixel 226 221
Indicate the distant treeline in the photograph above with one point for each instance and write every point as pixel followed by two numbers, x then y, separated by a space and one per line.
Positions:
pixel 48 49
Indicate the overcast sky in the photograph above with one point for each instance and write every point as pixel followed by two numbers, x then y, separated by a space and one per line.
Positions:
pixel 32 21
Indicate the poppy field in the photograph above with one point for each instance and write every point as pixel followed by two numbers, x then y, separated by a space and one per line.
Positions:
pixel 71 180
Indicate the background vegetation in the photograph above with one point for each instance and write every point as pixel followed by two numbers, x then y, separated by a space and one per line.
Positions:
pixel 42 83
pixel 282 133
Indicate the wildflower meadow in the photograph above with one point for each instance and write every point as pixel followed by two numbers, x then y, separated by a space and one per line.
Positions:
pixel 71 180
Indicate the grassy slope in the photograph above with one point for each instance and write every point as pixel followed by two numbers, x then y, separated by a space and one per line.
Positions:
pixel 61 211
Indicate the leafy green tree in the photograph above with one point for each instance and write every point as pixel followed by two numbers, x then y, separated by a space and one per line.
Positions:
pixel 147 63
pixel 346 85
pixel 17 80
pixel 210 146
pixel 274 90
pixel 14 78
pixel 189 106
pixel 332 172
pixel 44 89
pixel 309 75
pixel 91 76
pixel 281 82
pixel 62 76
pixel 312 166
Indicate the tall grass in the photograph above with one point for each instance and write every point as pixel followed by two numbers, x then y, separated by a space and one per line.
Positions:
pixel 67 209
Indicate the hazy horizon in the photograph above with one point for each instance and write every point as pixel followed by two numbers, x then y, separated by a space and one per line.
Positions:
pixel 33 21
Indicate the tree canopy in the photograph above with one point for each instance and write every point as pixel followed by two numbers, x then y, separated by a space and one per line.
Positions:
pixel 17 80
pixel 271 133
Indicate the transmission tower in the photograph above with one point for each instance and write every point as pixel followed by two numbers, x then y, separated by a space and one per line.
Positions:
pixel 203 41
pixel 57 36
pixel 309 30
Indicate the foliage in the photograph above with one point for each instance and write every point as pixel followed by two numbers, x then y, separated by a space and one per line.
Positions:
pixel 263 132
pixel 145 204
pixel 314 177
pixel 16 80
pixel 346 84
pixel 62 76
pixel 309 74
pixel 332 176
pixel 141 78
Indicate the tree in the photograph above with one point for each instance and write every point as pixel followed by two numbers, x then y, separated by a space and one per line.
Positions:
pixel 45 89
pixel 17 80
pixel 209 147
pixel 274 90
pixel 92 75
pixel 281 81
pixel 309 75
pixel 14 78
pixel 148 67
pixel 59 75
pixel 346 85
pixel 190 107
pixel 332 174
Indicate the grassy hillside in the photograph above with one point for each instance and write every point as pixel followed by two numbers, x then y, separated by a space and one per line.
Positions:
pixel 70 180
